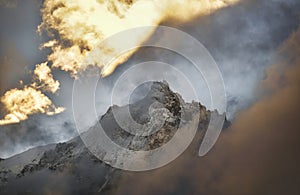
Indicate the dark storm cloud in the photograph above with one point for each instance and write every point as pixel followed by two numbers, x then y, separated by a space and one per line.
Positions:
pixel 258 154
pixel 243 39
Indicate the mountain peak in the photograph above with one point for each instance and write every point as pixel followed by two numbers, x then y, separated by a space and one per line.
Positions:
pixel 154 104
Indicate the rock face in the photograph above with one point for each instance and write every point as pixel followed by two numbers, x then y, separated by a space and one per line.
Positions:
pixel 65 168
pixel 160 112
pixel 70 168
pixel 159 109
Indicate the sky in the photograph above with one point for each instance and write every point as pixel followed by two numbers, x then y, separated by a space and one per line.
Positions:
pixel 256 46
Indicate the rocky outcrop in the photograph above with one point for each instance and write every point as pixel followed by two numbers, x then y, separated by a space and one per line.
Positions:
pixel 70 168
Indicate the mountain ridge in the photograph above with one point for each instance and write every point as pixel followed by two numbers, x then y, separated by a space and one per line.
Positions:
pixel 70 168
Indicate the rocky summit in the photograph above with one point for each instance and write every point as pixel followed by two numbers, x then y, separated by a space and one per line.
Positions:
pixel 70 168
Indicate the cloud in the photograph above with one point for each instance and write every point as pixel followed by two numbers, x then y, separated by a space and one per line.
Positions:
pixel 38 130
pixel 243 40
pixel 259 154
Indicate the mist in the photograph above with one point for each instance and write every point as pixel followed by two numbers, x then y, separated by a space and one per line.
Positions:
pixel 243 39
pixel 257 154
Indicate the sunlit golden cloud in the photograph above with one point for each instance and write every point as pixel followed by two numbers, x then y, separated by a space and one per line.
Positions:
pixel 84 24
pixel 23 102
pixel 43 76
pixel 76 27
